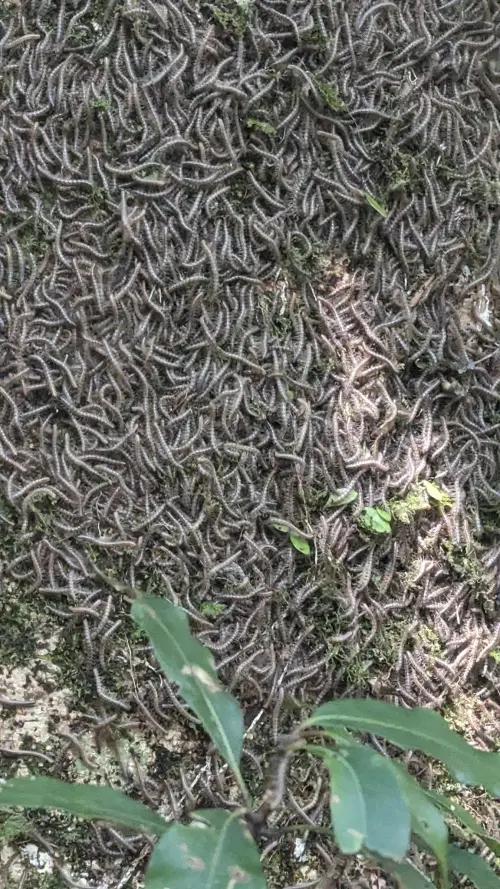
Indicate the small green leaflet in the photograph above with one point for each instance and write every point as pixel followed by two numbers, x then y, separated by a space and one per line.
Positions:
pixel 373 202
pixel 82 800
pixel 473 867
pixel 190 665
pixel 260 125
pixel 300 544
pixel 376 519
pixel 215 851
pixel 435 493
pixel 342 497
pixel 415 729
pixel 212 609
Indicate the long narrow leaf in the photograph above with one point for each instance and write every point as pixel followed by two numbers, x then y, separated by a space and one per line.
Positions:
pixel 456 811
pixel 427 822
pixel 347 805
pixel 474 868
pixel 216 851
pixel 82 800
pixel 416 729
pixel 408 876
pixel 372 200
pixel 387 813
pixel 188 664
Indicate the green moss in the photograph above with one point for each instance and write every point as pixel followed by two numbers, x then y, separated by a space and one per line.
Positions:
pixel 404 509
pixel 356 671
pixel 464 562
pixel 232 16
pixel 99 198
pixel 352 667
pixel 30 230
pixel 212 609
pixel 303 261
pixel 261 126
pixel 100 102
pixel 315 39
pixel 385 647
pixel 315 498
pixel 466 713
pixel 11 826
pixel 409 577
pixel 92 21
pixel 404 170
pixel 330 95
pixel 429 640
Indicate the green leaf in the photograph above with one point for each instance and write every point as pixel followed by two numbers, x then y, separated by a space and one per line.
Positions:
pixel 342 497
pixel 465 818
pixel 260 125
pixel 190 665
pixel 330 95
pixel 376 519
pixel 473 867
pixel 82 800
pixel 373 202
pixel 347 805
pixel 212 609
pixel 101 102
pixel 387 813
pixel 341 737
pixel 407 875
pixel 415 729
pixel 437 494
pixel 300 544
pixel 216 851
pixel 427 822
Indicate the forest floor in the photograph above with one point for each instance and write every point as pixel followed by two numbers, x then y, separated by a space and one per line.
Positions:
pixel 249 298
